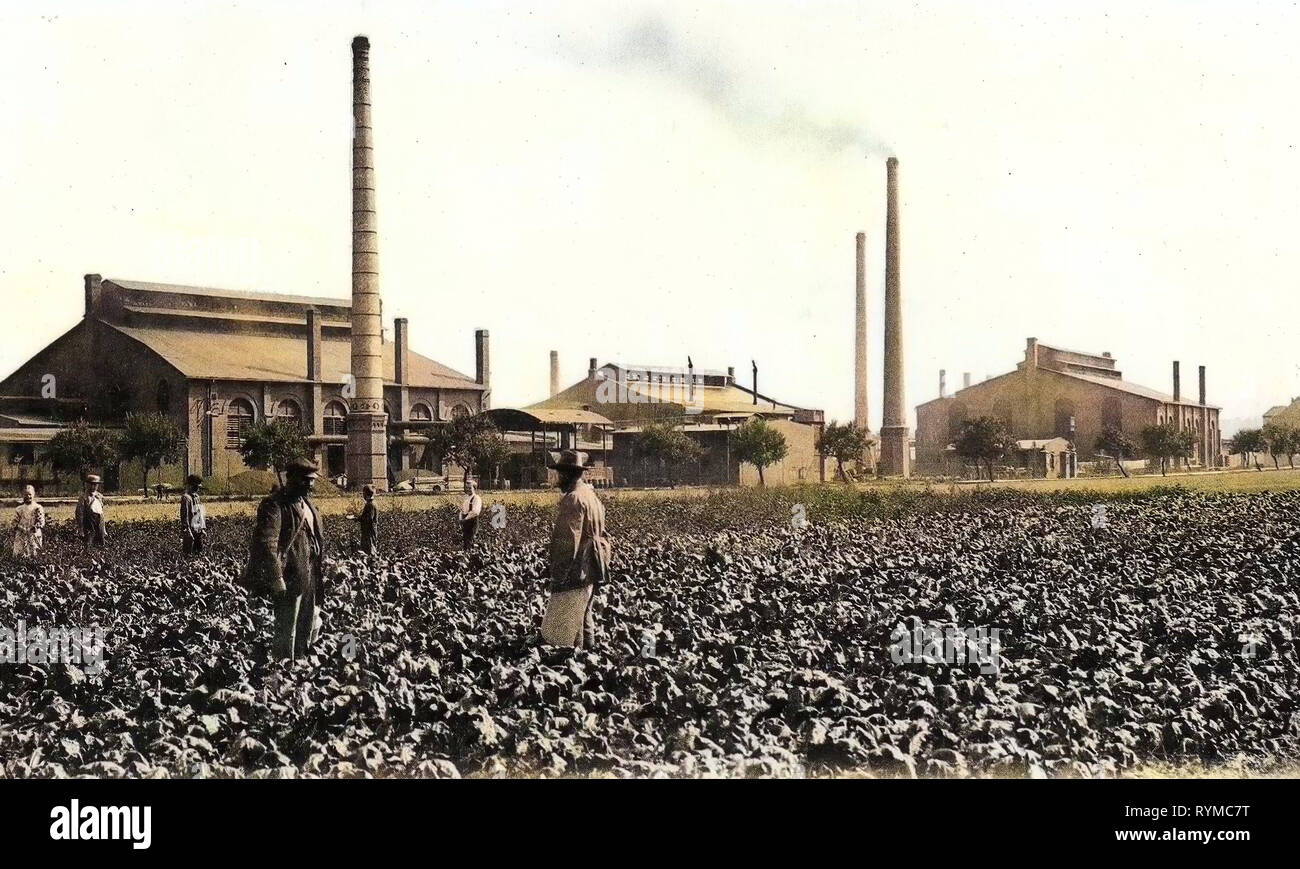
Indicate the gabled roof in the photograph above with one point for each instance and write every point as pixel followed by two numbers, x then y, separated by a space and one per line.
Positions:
pixel 184 290
pixel 638 400
pixel 242 356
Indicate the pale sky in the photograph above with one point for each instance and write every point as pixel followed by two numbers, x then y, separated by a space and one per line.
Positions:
pixel 643 181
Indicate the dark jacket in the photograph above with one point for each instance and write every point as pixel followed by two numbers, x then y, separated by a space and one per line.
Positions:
pixel 284 557
pixel 369 526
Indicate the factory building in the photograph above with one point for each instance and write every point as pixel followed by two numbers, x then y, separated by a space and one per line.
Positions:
pixel 707 404
pixel 216 361
pixel 1057 393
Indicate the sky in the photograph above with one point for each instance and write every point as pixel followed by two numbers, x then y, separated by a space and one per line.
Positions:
pixel 641 182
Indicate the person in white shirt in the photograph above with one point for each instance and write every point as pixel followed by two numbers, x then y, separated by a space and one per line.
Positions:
pixel 29 519
pixel 470 507
pixel 90 514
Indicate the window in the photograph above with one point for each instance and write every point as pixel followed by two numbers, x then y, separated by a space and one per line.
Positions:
pixel 239 415
pixel 421 411
pixel 459 411
pixel 336 418
pixel 289 411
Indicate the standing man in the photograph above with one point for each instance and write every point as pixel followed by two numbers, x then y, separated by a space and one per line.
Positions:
pixel 29 519
pixel 470 507
pixel 194 519
pixel 369 519
pixel 286 560
pixel 580 554
pixel 90 514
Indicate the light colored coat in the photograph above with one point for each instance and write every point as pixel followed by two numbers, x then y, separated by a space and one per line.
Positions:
pixel 580 551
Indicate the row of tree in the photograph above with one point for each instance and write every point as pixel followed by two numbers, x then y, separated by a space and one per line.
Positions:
pixel 671 450
pixel 1278 439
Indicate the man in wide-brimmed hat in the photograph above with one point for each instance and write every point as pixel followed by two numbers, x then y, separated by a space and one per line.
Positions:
pixel 194 520
pixel 286 559
pixel 90 514
pixel 580 554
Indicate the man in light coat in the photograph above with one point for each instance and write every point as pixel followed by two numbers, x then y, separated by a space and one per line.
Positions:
pixel 286 560
pixel 580 554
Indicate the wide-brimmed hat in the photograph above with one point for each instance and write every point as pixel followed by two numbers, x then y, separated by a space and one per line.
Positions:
pixel 302 465
pixel 570 460
pixel 93 478
pixel 194 480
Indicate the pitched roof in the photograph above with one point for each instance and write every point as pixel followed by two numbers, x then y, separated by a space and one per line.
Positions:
pixel 241 356
pixel 184 290
pixel 650 400
pixel 1125 386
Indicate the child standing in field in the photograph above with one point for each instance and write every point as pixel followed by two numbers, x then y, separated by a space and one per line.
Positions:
pixel 29 519
pixel 369 520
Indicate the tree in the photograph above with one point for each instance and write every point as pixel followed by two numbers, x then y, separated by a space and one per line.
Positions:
pixel 668 446
pixel 271 445
pixel 467 441
pixel 844 442
pixel 984 439
pixel 78 448
pixel 759 444
pixel 490 452
pixel 1247 442
pixel 1168 441
pixel 1281 440
pixel 153 439
pixel 1114 443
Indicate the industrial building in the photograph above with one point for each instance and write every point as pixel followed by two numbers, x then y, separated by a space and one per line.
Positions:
pixel 1057 393
pixel 216 361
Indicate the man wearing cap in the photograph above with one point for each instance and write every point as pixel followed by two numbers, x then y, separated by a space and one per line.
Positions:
pixel 286 559
pixel 580 554
pixel 194 524
pixel 90 514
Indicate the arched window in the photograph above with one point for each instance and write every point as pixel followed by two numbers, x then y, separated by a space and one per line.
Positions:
pixel 421 411
pixel 459 410
pixel 1064 416
pixel 289 411
pixel 163 396
pixel 239 415
pixel 336 418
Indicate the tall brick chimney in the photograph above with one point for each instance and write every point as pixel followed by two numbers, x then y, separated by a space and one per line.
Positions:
pixel 895 458
pixel 860 407
pixel 1200 371
pixel 555 373
pixel 591 368
pixel 482 365
pixel 313 345
pixel 367 421
pixel 731 375
pixel 94 292
pixel 1178 393
pixel 401 351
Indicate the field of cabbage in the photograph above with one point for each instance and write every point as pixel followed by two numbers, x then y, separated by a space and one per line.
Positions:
pixel 734 640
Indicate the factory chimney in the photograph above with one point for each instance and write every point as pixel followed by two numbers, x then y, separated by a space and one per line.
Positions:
pixel 860 338
pixel 965 379
pixel 94 292
pixel 555 372
pixel 1200 371
pixel 943 383
pixel 894 448
pixel 401 351
pixel 690 379
pixel 731 375
pixel 482 365
pixel 367 422
pixel 1177 384
pixel 313 345
pixel 755 367
pixel 591 368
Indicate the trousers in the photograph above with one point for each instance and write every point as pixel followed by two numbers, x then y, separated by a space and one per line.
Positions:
pixel 297 625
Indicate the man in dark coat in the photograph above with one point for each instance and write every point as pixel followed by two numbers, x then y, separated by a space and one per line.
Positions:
pixel 90 514
pixel 286 559
pixel 193 517
pixel 369 520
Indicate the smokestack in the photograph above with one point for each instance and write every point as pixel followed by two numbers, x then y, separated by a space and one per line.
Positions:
pixel 313 345
pixel 591 368
pixel 367 422
pixel 555 373
pixel 690 378
pixel 1177 384
pixel 401 351
pixel 895 459
pixel 731 375
pixel 1200 371
pixel 965 379
pixel 482 366
pixel 94 291
pixel 755 366
pixel 943 383
pixel 860 338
